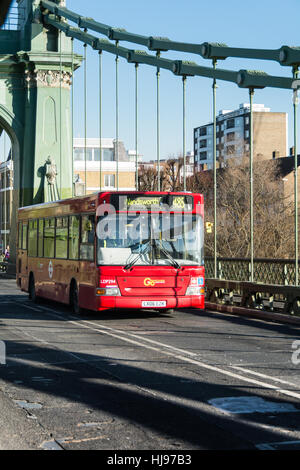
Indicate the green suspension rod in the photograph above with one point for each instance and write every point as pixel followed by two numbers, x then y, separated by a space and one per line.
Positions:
pixel 214 87
pixel 157 124
pixel 251 93
pixel 60 117
pixel 136 129
pixel 100 116
pixel 295 106
pixel 117 120
pixel 184 130
pixel 85 117
pixel 72 117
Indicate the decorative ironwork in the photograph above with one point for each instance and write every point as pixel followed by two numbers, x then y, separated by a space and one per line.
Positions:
pixel 266 271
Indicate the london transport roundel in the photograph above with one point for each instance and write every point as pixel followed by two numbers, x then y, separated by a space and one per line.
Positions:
pixel 50 269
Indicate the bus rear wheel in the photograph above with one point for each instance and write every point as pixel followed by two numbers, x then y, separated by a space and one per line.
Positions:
pixel 74 298
pixel 31 289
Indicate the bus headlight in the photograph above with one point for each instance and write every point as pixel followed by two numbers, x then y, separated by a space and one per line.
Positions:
pixel 195 290
pixel 114 291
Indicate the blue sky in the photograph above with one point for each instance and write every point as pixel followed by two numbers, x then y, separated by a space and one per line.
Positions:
pixel 257 24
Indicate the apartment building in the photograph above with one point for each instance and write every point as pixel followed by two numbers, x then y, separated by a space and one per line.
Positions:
pixel 87 165
pixel 233 136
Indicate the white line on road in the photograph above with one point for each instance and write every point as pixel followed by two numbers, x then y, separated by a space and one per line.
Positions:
pixel 169 351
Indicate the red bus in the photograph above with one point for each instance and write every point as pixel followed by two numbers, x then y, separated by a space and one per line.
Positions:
pixel 113 250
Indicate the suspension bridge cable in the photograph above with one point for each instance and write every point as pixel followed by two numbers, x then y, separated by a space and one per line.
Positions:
pixel 243 78
pixel 100 116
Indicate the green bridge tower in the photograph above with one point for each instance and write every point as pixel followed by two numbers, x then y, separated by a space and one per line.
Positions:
pixel 36 65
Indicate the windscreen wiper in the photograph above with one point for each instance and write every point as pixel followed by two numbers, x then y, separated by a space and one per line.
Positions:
pixel 165 252
pixel 144 252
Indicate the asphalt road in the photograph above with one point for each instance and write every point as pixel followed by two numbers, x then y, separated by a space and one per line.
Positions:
pixel 144 381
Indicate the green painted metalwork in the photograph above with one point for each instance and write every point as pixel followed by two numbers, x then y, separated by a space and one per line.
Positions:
pixel 136 129
pixel 267 271
pixel 100 118
pixel 295 106
pixel 214 86
pixel 184 129
pixel 243 78
pixel 157 124
pixel 285 55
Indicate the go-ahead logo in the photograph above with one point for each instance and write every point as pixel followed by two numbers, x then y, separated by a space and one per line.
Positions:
pixel 148 282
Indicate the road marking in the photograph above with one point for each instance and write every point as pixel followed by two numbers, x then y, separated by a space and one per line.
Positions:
pixel 115 333
pixel 205 406
pixel 264 376
pixel 285 445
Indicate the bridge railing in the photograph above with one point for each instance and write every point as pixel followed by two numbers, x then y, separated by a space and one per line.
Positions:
pixel 273 287
pixel 267 271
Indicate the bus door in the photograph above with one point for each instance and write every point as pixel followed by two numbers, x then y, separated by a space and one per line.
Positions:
pixel 22 261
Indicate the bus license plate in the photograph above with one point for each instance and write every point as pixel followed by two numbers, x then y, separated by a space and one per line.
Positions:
pixel 154 303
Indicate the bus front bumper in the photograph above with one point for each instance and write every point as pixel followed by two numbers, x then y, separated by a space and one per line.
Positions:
pixel 107 302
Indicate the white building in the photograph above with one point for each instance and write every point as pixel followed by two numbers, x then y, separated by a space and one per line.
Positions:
pixel 87 164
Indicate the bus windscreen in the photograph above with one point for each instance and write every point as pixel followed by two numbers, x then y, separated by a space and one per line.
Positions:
pixel 150 239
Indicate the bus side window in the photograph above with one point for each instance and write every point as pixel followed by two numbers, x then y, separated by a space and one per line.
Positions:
pixel 74 222
pixel 61 238
pixel 87 237
pixel 49 233
pixel 40 238
pixel 32 238
pixel 24 236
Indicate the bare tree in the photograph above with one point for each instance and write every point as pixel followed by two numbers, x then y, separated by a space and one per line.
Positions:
pixel 272 211
pixel 173 173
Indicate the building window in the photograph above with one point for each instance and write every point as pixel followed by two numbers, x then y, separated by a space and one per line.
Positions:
pixel 109 181
pixel 203 131
pixel 81 153
pixel 230 123
pixel 203 143
pixel 247 134
pixel 203 155
pixel 247 120
pixel 230 136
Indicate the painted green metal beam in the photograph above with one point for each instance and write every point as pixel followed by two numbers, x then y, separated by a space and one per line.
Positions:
pixel 286 55
pixel 243 78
